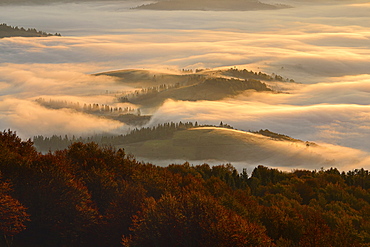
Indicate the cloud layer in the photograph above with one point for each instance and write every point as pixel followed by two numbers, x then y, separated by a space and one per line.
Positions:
pixel 324 47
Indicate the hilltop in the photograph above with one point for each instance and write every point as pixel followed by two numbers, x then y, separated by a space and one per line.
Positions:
pixel 227 145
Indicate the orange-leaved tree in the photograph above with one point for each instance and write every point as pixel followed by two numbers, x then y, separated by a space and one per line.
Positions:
pixel 13 215
pixel 192 219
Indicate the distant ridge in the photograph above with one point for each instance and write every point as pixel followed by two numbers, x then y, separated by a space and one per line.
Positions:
pixel 212 5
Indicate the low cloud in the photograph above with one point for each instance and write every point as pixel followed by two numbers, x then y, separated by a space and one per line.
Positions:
pixel 305 56
pixel 32 80
pixel 30 119
pixel 22 84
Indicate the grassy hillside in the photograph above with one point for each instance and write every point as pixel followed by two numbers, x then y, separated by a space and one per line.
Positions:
pixel 229 145
pixel 190 142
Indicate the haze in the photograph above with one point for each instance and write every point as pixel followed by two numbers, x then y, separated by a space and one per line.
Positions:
pixel 325 47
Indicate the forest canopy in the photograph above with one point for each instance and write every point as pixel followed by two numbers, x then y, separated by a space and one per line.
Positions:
pixel 87 195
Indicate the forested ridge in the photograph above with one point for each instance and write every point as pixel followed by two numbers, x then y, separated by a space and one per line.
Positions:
pixel 9 31
pixel 86 195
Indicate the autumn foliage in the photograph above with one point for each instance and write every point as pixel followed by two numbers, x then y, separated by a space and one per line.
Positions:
pixel 87 195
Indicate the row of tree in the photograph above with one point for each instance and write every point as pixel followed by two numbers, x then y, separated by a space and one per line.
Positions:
pixel 91 196
pixel 281 137
pixel 161 131
pixel 9 31
pixel 102 109
pixel 246 74
pixel 147 91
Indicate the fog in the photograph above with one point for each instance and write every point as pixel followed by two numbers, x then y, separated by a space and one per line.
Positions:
pixel 325 48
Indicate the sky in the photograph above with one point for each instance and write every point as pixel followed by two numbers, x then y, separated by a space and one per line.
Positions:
pixel 323 46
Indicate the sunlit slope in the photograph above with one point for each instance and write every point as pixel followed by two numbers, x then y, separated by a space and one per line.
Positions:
pixel 213 143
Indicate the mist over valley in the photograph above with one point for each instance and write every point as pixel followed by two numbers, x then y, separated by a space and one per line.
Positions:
pixel 162 66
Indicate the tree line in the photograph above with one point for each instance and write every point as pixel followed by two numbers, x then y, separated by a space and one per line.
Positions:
pixel 147 91
pixel 127 115
pixel 87 195
pixel 161 131
pixel 187 79
pixel 102 109
pixel 246 74
pixel 9 31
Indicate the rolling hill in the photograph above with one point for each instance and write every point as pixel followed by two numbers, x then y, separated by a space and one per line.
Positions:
pixel 224 144
pixel 170 142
